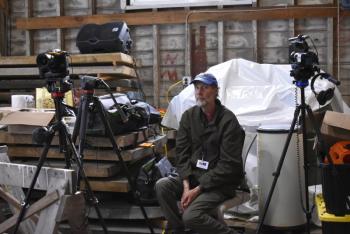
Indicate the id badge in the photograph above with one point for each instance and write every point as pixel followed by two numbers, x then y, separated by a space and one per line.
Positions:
pixel 202 164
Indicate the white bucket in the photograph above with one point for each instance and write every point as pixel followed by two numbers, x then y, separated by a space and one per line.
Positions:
pixel 285 209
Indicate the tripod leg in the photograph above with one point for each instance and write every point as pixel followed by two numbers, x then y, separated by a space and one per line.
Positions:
pixel 64 149
pixel 77 121
pixel 306 169
pixel 42 159
pixel 62 141
pixel 278 170
pixel 109 132
pixel 306 163
pixel 317 131
pixel 82 174
pixel 82 126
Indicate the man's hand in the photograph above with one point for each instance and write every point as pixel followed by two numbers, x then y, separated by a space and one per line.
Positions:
pixel 188 196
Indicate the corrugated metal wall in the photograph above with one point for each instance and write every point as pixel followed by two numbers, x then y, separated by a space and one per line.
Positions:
pixel 261 41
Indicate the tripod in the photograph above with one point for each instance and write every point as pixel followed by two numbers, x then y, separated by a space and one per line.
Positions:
pixel 300 110
pixel 43 135
pixel 87 101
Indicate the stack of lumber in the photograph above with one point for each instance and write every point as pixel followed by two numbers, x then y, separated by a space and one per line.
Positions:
pixel 101 163
pixel 20 74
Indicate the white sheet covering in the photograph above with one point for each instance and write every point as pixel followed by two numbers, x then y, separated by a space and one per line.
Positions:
pixel 256 93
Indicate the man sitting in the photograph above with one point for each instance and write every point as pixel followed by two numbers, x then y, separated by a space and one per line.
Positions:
pixel 208 156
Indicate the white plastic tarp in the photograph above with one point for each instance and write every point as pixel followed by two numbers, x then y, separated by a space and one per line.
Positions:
pixel 258 94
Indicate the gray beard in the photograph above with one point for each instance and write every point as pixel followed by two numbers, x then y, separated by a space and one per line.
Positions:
pixel 201 103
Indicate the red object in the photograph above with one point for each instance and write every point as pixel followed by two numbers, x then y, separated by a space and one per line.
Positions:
pixel 340 153
pixel 198 52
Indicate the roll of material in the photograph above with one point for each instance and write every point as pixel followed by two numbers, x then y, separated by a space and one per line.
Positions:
pixel 22 101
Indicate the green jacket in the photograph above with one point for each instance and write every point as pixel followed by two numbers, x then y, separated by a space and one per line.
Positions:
pixel 219 142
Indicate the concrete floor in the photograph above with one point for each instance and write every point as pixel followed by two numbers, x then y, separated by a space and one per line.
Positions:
pixel 250 228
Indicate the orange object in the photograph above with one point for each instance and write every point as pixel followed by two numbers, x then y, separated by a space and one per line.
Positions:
pixel 340 152
pixel 146 144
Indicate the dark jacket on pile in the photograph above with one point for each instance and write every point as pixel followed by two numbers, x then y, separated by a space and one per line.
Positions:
pixel 219 142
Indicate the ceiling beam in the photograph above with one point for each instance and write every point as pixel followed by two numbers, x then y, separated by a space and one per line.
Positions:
pixel 180 16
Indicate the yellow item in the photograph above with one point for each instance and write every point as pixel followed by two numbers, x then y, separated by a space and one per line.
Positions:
pixel 44 100
pixel 327 217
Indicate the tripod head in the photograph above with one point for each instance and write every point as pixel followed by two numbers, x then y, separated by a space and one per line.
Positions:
pixel 53 67
pixel 89 83
pixel 304 67
pixel 304 62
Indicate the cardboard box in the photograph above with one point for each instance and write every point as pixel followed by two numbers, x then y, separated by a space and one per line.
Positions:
pixel 335 127
pixel 24 122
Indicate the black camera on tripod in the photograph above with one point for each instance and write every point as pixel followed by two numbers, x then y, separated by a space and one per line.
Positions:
pixel 53 65
pixel 304 62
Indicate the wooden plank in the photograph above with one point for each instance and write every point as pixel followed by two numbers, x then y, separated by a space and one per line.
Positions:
pixel 47 220
pixel 3 34
pixel 330 44
pixel 127 139
pixel 22 175
pixel 10 199
pixel 31 71
pixel 30 84
pixel 92 9
pixel 60 31
pixel 15 151
pixel 120 185
pixel 22 84
pixel 111 58
pixel 180 16
pixel 92 169
pixel 114 58
pixel 28 6
pixel 188 39
pixel 122 140
pixel 156 65
pixel 100 169
pixel 72 209
pixel 221 36
pixel 121 210
pixel 34 208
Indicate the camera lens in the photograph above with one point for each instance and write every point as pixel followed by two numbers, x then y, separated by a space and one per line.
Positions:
pixel 42 59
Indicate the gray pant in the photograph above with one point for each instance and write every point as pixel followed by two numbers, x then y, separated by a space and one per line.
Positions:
pixel 197 216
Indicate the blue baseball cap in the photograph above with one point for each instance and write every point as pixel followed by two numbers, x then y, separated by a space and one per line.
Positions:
pixel 205 78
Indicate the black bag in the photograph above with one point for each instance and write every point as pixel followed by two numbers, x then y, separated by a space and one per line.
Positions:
pixel 138 116
pixel 105 38
pixel 149 174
